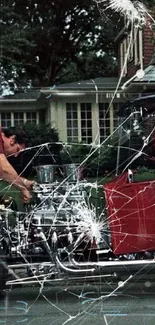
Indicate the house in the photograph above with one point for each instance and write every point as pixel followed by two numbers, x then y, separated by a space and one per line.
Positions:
pixel 85 111
pixel 23 106
pixel 136 50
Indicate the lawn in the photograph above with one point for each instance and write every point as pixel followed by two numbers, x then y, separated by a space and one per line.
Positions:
pixel 6 190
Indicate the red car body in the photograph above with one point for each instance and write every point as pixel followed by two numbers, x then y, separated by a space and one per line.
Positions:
pixel 131 215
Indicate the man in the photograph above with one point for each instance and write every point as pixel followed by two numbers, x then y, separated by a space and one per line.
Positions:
pixel 12 141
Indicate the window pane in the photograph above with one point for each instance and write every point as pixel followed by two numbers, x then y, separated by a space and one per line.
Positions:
pixel 6 119
pixel 74 116
pixel 75 133
pixel 5 123
pixel 83 123
pixel 89 115
pixel 104 120
pixel 18 118
pixel 86 122
pixel 89 123
pixel 6 116
pixel 72 122
pixel 69 132
pixel 82 115
pixel 18 115
pixel 68 114
pixel 75 124
pixel 31 117
pixel 69 124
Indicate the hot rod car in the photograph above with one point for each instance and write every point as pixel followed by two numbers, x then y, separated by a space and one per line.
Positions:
pixel 58 236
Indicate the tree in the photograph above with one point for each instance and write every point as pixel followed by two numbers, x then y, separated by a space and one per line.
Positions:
pixel 15 45
pixel 48 41
pixel 56 41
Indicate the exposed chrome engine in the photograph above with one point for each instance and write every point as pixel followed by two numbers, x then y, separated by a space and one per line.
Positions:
pixel 58 235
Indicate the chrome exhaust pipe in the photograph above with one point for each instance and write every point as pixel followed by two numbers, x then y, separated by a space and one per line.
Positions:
pixel 105 264
pixel 67 269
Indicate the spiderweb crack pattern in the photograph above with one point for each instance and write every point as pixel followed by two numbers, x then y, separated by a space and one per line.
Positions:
pixel 82 224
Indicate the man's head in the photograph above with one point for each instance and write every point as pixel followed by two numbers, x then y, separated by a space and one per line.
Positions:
pixel 14 140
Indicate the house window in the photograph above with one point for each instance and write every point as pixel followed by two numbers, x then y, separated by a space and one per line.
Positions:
pixel 131 50
pixel 72 122
pixel 6 119
pixel 116 108
pixel 104 121
pixel 18 118
pixel 31 117
pixel 86 123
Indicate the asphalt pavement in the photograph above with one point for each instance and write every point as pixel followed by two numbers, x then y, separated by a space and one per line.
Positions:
pixel 129 302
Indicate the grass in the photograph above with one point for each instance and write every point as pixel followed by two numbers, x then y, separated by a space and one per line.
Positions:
pixel 145 176
pixel 6 190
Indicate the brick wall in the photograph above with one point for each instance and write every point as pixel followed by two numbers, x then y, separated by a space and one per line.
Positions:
pixel 148 50
pixel 148 44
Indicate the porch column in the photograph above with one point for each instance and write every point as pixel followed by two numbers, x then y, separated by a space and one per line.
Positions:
pixel 95 124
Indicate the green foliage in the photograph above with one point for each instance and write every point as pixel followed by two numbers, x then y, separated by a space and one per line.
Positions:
pixel 56 41
pixel 75 153
pixel 16 43
pixel 143 173
pixel 101 160
pixel 42 155
pixel 41 133
pixel 95 160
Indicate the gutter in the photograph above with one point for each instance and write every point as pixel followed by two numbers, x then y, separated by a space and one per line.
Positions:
pixel 77 93
pixel 140 85
pixel 17 100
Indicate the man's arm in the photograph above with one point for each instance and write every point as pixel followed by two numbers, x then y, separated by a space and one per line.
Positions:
pixel 8 174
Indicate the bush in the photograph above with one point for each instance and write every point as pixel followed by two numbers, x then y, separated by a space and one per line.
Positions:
pixel 38 134
pixel 101 160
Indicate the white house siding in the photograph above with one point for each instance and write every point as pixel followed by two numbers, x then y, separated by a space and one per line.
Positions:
pixel 111 118
pixel 57 116
pixel 95 123
pixel 61 120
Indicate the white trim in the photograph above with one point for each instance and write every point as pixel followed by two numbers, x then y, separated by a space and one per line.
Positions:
pixel 141 49
pixel 79 121
pixel 135 45
pixel 111 116
pixel 131 44
pixel 12 119
pixel 121 55
pixel 37 117
pixel 16 100
pixel 125 53
pixel 24 116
